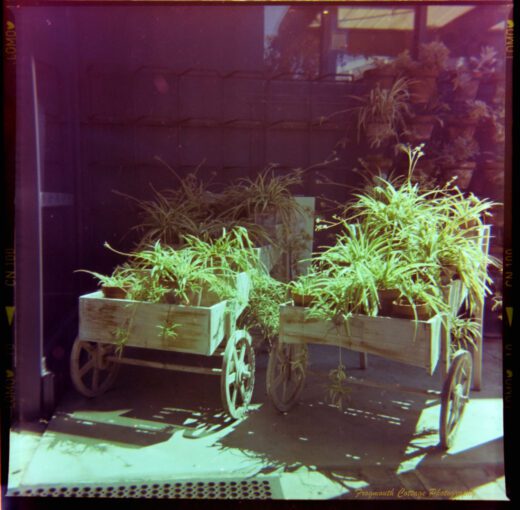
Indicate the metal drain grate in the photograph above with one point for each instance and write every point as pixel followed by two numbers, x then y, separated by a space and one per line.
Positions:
pixel 251 488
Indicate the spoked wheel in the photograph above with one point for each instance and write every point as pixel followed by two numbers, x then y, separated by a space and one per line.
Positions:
pixel 286 374
pixel 238 374
pixel 455 395
pixel 91 372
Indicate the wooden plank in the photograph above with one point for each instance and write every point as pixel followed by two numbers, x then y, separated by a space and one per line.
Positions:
pixel 166 366
pixel 484 237
pixel 403 340
pixel 392 387
pixel 199 330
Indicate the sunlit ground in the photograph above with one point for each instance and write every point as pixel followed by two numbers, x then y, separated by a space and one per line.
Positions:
pixel 382 444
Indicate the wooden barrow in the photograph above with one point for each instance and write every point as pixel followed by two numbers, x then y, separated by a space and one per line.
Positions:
pixel 107 326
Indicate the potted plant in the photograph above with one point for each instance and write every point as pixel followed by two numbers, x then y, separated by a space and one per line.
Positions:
pixel 469 73
pixel 304 288
pixel 424 71
pixel 457 159
pixel 465 117
pixel 381 116
pixel 420 300
pixel 115 286
pixel 420 124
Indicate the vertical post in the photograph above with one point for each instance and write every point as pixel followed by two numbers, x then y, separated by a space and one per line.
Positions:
pixel 329 21
pixel 420 28
pixel 479 316
pixel 28 297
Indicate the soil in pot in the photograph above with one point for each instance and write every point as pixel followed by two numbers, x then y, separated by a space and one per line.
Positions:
pixel 463 172
pixel 111 292
pixel 301 299
pixel 405 310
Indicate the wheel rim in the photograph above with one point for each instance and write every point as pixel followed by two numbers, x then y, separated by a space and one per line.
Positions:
pixel 238 374
pixel 455 396
pixel 91 371
pixel 286 374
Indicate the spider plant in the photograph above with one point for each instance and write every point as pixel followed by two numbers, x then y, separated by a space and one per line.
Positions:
pixel 233 251
pixel 169 274
pixel 382 113
pixel 464 332
pixel 115 280
pixel 263 309
pixel 267 197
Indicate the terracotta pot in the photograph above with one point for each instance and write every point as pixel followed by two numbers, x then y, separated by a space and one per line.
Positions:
pixel 386 298
pixel 406 311
pixel 421 128
pixel 460 127
pixel 422 87
pixel 463 171
pixel 112 292
pixel 494 172
pixel 301 299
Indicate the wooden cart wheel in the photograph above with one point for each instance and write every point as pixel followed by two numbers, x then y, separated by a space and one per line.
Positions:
pixel 91 372
pixel 238 374
pixel 455 395
pixel 286 374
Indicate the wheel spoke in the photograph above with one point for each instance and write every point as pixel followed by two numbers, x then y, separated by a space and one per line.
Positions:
pixel 95 379
pixel 234 396
pixel 242 354
pixel 284 389
pixel 242 388
pixel 86 367
pixel 90 348
pixel 231 378
pixel 278 379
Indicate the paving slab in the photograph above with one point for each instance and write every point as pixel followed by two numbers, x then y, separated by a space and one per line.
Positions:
pixel 158 427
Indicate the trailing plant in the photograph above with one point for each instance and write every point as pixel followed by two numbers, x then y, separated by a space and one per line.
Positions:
pixel 464 333
pixel 263 310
